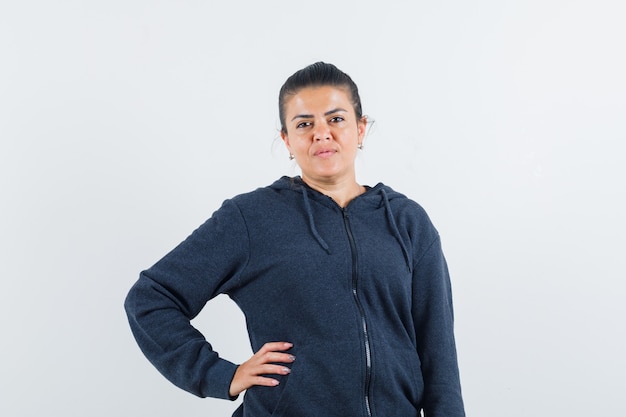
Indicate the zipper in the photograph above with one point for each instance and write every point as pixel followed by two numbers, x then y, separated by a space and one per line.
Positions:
pixel 366 337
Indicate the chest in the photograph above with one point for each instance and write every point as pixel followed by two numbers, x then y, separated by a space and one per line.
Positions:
pixel 330 252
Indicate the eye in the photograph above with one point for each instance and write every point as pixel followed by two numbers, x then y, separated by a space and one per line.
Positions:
pixel 302 125
pixel 337 119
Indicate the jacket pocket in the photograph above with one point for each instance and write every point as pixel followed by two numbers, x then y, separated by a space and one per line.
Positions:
pixel 326 380
pixel 292 384
pixel 397 384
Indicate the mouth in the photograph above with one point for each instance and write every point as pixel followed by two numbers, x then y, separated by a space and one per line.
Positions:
pixel 325 153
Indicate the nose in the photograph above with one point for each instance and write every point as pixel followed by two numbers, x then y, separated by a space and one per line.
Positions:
pixel 321 132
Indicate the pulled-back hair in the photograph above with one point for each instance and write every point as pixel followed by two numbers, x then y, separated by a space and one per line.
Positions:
pixel 319 74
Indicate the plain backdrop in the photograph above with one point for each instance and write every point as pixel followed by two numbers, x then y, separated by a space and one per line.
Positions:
pixel 125 124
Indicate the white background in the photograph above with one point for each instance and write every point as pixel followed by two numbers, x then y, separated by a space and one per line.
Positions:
pixel 125 124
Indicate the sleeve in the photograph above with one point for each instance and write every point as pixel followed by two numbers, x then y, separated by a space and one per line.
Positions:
pixel 168 295
pixel 434 325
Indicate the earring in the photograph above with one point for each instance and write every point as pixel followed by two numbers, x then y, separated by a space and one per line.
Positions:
pixel 360 146
pixel 291 157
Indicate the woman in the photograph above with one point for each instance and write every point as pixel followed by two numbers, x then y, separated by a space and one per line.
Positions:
pixel 344 287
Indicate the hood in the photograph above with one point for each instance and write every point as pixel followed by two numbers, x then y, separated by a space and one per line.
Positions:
pixel 378 196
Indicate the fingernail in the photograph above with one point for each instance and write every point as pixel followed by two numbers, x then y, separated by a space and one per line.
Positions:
pixel 286 370
pixel 292 358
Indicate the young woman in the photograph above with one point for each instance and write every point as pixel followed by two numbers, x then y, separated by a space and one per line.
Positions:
pixel 344 287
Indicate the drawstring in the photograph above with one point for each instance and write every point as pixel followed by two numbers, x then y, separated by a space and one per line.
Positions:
pixel 388 212
pixel 394 229
pixel 309 212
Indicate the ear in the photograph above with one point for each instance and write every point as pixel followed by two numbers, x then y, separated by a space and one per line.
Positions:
pixel 285 139
pixel 361 128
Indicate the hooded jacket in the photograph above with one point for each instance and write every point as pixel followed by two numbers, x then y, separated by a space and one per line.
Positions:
pixel 362 292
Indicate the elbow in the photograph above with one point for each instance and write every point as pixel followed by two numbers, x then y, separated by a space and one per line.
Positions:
pixel 130 302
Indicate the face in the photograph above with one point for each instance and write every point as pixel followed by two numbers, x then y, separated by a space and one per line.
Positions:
pixel 323 133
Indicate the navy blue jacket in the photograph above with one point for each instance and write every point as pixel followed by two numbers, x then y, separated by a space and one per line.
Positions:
pixel 362 292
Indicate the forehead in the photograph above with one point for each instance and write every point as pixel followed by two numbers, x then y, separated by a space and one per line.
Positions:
pixel 318 99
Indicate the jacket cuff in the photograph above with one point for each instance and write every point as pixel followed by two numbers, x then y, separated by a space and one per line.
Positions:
pixel 218 379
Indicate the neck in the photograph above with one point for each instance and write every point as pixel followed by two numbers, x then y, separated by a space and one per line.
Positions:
pixel 341 192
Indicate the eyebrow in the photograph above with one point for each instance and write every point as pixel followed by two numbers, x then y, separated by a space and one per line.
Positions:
pixel 308 116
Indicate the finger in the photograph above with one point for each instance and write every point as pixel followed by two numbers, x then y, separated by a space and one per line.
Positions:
pixel 275 347
pixel 248 375
pixel 272 369
pixel 242 383
pixel 277 357
pixel 264 381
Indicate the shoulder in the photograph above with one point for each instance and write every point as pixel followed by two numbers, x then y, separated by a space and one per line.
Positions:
pixel 264 194
pixel 408 214
pixel 400 202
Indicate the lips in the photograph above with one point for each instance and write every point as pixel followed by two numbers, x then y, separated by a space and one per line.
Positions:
pixel 325 153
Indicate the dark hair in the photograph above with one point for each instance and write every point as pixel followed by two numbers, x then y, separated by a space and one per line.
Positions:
pixel 317 75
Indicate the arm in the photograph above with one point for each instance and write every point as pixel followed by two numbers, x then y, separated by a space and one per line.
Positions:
pixel 434 325
pixel 168 295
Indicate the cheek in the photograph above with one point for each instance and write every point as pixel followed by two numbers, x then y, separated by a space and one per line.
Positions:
pixel 300 141
pixel 292 141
